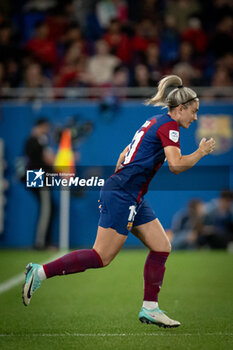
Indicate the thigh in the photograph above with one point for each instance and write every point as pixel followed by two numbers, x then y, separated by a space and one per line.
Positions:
pixel 153 236
pixel 108 243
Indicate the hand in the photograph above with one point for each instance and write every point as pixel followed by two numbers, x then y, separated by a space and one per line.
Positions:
pixel 207 147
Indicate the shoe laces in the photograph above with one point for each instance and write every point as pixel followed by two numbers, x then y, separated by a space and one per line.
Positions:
pixel 161 311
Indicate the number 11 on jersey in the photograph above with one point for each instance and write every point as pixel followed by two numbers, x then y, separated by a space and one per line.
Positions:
pixel 136 139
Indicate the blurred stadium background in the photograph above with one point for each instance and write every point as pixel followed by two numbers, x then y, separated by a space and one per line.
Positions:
pixel 88 65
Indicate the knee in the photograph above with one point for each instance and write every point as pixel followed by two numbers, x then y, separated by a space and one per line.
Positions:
pixel 165 246
pixel 162 246
pixel 168 247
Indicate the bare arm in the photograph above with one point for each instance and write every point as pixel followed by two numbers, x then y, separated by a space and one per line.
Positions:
pixel 121 158
pixel 178 163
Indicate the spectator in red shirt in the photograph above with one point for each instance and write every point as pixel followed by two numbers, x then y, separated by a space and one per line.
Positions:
pixel 195 35
pixel 41 46
pixel 59 19
pixel 119 43
pixel 73 44
pixel 140 42
pixel 74 34
pixel 73 70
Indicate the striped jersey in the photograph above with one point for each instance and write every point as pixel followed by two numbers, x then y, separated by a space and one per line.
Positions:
pixel 146 154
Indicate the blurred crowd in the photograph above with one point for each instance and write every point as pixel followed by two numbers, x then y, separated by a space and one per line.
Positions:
pixel 205 225
pixel 115 43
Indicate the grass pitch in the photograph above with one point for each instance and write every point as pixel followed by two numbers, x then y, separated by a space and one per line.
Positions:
pixel 99 309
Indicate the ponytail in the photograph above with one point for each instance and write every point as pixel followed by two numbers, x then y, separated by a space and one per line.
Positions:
pixel 179 95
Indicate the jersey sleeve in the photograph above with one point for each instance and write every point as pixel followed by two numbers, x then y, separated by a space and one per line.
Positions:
pixel 169 134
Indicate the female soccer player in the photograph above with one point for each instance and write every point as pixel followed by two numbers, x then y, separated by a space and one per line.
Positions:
pixel 122 204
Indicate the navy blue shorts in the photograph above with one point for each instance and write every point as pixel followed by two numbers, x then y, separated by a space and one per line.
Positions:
pixel 120 210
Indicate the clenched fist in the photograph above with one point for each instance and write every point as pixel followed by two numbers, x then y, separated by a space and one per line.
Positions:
pixel 207 146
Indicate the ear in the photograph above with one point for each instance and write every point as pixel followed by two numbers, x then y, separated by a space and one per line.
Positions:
pixel 180 108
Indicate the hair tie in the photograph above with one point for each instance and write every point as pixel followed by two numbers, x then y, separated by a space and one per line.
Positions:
pixel 180 86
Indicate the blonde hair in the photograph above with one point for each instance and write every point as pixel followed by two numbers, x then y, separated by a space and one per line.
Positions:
pixel 179 95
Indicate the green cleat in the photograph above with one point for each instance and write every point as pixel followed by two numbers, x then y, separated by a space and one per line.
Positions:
pixel 157 317
pixel 32 282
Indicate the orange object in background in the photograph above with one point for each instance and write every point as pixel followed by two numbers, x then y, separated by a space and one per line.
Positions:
pixel 64 161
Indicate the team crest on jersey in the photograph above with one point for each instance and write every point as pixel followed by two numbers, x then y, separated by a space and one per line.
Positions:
pixel 174 135
pixel 129 226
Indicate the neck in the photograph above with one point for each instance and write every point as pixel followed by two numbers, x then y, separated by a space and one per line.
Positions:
pixel 174 116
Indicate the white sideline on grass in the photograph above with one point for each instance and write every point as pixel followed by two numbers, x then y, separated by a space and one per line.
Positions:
pixel 165 333
pixel 14 281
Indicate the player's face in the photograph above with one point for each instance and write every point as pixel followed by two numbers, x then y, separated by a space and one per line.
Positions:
pixel 188 115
